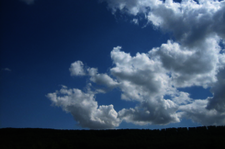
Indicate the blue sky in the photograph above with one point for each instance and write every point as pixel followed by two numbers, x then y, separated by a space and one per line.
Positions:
pixel 80 64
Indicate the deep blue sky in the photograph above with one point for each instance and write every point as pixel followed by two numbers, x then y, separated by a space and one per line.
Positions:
pixel 39 42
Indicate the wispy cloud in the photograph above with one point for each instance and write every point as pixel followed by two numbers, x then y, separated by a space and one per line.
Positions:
pixel 195 58
pixel 6 69
pixel 135 21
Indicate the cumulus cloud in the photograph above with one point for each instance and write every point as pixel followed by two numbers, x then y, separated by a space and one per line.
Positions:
pixel 149 78
pixel 144 80
pixel 104 79
pixel 189 21
pixel 138 75
pixel 77 69
pixel 196 58
pixel 84 108
pixel 196 66
pixel 198 112
pixel 151 111
pixel 28 2
pixel 153 79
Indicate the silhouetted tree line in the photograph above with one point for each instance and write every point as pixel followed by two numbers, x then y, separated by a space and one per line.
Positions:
pixel 35 138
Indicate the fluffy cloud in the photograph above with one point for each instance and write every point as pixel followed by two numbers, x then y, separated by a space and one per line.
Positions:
pixel 144 80
pixel 189 21
pixel 104 79
pixel 84 108
pixel 198 112
pixel 153 79
pixel 76 69
pixel 151 111
pixel 28 2
pixel 149 78
pixel 196 66
pixel 138 75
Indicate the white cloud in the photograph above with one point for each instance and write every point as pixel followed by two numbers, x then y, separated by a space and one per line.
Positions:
pixel 142 78
pixel 189 21
pixel 84 108
pixel 196 66
pixel 198 27
pixel 28 2
pixel 147 78
pixel 151 111
pixel 135 21
pixel 181 98
pixel 104 79
pixel 76 69
pixel 138 75
pixel 198 112
pixel 132 6
pixel 195 58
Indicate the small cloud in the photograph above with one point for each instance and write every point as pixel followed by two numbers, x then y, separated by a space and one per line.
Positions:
pixel 28 2
pixel 6 69
pixel 135 21
pixel 77 69
pixel 85 109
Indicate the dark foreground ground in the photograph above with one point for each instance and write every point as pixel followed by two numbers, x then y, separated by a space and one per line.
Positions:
pixel 28 138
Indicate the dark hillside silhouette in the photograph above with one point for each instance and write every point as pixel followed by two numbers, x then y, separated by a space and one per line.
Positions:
pixel 33 138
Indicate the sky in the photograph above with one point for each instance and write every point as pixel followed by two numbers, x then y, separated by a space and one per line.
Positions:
pixel 112 64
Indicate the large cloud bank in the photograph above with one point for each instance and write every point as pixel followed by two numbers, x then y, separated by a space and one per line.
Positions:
pixel 195 58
